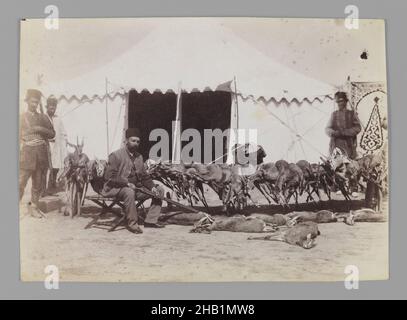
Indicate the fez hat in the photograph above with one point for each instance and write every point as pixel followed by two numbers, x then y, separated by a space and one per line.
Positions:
pixel 52 101
pixel 341 94
pixel 33 93
pixel 133 132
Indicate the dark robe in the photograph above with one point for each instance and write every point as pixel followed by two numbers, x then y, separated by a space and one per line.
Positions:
pixel 343 128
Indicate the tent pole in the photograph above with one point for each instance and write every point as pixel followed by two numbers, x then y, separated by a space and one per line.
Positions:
pixel 349 92
pixel 107 120
pixel 176 144
pixel 235 128
pixel 237 105
pixel 126 117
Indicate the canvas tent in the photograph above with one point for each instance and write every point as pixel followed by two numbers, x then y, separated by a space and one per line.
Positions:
pixel 289 110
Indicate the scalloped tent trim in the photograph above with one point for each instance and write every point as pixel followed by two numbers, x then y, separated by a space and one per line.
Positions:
pixel 204 56
pixel 262 99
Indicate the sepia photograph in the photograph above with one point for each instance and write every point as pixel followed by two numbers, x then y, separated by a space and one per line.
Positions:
pixel 203 149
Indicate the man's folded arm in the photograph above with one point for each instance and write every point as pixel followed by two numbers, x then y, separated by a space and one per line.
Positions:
pixel 355 129
pixel 112 176
pixel 329 128
pixel 47 133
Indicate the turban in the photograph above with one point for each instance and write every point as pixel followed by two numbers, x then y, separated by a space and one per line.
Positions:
pixel 133 132
pixel 33 93
pixel 52 101
pixel 340 95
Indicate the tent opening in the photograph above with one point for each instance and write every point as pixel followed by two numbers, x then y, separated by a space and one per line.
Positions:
pixel 151 111
pixel 206 110
pixel 200 111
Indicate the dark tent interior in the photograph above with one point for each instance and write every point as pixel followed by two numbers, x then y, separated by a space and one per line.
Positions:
pixel 150 111
pixel 200 110
pixel 206 110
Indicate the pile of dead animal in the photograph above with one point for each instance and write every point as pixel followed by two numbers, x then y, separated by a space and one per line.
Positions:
pixel 296 228
pixel 278 182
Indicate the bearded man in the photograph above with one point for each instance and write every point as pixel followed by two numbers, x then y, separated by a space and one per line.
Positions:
pixel 125 172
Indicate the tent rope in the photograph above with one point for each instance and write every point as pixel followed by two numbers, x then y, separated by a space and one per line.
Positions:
pixel 79 105
pixel 88 101
pixel 297 135
pixel 306 132
pixel 291 146
pixel 313 126
pixel 288 126
pixel 296 129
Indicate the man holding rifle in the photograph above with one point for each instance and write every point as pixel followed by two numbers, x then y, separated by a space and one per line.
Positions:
pixel 35 131
pixel 125 174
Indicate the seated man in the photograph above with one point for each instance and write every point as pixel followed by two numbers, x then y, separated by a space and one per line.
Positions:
pixel 125 170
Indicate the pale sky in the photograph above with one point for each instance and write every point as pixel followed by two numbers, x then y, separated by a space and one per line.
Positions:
pixel 320 48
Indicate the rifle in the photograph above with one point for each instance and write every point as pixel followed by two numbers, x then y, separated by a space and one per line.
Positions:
pixel 41 108
pixel 175 203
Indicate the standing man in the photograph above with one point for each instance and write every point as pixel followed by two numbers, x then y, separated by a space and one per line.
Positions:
pixel 35 130
pixel 57 145
pixel 343 127
pixel 124 172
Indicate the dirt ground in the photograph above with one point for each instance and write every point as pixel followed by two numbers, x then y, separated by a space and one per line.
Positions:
pixel 173 254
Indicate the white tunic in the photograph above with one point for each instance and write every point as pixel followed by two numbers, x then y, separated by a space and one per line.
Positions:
pixel 58 144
